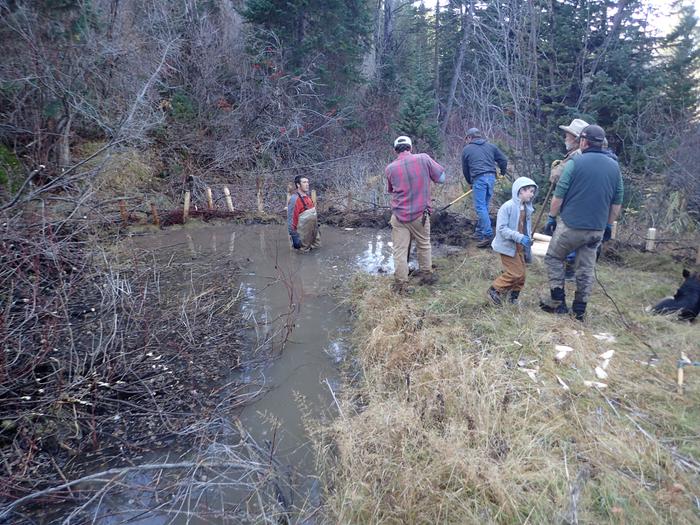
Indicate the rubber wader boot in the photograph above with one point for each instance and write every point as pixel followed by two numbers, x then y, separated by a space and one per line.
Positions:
pixel 557 302
pixel 495 296
pixel 579 308
pixel 513 299
pixel 484 243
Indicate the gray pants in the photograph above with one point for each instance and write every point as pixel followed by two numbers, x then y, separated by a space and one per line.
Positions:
pixel 565 241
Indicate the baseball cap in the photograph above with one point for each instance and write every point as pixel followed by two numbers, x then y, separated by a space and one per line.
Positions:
pixel 593 133
pixel 403 139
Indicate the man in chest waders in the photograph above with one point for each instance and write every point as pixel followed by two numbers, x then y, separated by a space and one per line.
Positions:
pixel 302 221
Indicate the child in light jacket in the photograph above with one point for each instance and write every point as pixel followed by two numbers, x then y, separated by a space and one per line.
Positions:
pixel 513 241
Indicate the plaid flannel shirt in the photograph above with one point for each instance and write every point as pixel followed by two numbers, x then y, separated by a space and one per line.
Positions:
pixel 408 182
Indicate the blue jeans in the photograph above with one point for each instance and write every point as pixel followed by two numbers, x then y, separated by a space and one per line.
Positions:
pixel 482 193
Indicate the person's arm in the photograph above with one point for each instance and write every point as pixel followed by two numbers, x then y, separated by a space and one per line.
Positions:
pixel 614 213
pixel 436 171
pixel 502 220
pixel 616 205
pixel 465 167
pixel 555 206
pixel 389 187
pixel 501 159
pixel 292 216
pixel 564 182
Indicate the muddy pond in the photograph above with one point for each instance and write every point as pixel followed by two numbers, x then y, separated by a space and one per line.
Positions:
pixel 297 335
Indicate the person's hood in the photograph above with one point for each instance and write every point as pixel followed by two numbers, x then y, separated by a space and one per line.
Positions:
pixel 478 142
pixel 521 182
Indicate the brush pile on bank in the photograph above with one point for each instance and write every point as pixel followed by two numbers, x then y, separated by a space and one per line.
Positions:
pixel 467 413
pixel 102 367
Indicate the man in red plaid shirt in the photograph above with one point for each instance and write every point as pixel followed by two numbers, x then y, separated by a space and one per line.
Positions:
pixel 408 182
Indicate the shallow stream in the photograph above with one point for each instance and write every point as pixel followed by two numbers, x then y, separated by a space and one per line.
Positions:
pixel 280 289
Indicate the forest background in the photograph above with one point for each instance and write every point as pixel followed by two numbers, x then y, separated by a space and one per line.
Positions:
pixel 233 91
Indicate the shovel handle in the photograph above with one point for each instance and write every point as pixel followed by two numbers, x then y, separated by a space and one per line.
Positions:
pixel 544 205
pixel 456 200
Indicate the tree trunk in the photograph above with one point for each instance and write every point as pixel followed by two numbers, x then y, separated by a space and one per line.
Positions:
pixel 467 16
pixel 436 61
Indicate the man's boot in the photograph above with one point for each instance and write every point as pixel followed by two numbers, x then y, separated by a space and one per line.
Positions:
pixel 557 302
pixel 495 296
pixel 578 307
pixel 513 298
pixel 400 288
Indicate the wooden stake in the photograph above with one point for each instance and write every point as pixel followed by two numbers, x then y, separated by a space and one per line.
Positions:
pixel 260 196
pixel 349 205
pixel 210 199
pixel 229 202
pixel 123 212
pixel 613 234
pixel 680 379
pixel 186 208
pixel 651 237
pixel 313 197
pixel 154 213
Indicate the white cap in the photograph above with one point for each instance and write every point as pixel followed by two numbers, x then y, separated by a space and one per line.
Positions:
pixel 402 140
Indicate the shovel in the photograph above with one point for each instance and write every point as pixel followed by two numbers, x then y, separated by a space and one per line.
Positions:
pixel 456 200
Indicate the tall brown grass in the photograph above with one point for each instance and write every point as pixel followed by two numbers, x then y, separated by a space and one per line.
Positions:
pixel 461 415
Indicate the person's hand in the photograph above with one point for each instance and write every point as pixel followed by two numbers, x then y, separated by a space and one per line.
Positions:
pixel 296 241
pixel 607 234
pixel 526 241
pixel 550 226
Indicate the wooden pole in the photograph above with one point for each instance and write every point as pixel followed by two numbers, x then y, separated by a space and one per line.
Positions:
pixel 259 184
pixel 229 202
pixel 210 199
pixel 536 225
pixel 349 204
pixel 314 197
pixel 680 378
pixel 186 208
pixel 154 213
pixel 123 212
pixel 651 238
pixel 613 233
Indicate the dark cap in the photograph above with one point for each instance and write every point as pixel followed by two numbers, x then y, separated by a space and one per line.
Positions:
pixel 473 132
pixel 593 133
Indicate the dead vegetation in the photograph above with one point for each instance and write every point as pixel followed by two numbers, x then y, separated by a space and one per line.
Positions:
pixel 463 414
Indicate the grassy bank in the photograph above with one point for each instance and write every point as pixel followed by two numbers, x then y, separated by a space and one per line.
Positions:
pixel 463 415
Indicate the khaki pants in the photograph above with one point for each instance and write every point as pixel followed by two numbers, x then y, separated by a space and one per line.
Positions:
pixel 564 241
pixel 401 235
pixel 513 276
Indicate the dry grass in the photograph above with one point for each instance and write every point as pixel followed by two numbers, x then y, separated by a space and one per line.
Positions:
pixel 447 426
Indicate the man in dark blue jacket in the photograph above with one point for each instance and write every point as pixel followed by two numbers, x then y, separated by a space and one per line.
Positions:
pixel 479 159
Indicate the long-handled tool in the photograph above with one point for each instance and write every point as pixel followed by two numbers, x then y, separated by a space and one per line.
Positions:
pixel 456 200
pixel 536 225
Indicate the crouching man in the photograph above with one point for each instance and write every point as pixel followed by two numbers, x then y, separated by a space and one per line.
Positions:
pixel 302 221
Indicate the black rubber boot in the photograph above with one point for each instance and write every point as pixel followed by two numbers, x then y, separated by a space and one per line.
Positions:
pixel 557 303
pixel 578 307
pixel 513 298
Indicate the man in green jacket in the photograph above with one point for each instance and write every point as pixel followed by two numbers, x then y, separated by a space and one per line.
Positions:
pixel 588 197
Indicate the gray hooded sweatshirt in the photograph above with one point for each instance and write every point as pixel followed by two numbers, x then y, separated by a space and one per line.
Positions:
pixel 507 235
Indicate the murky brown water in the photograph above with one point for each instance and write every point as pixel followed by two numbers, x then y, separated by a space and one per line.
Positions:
pixel 279 288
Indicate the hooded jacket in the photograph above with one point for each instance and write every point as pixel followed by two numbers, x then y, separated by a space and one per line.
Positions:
pixel 507 235
pixel 480 158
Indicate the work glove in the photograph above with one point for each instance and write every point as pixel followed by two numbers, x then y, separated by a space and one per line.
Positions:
pixel 607 234
pixel 550 226
pixel 526 241
pixel 296 241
